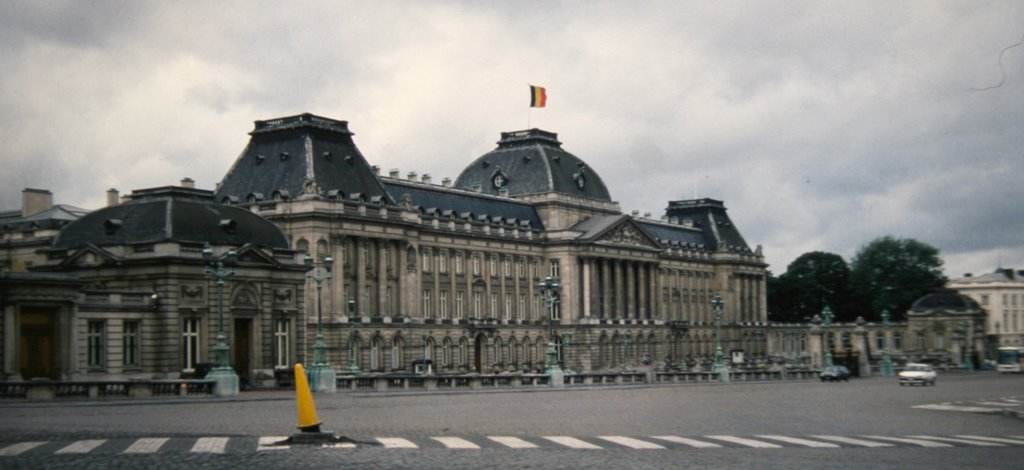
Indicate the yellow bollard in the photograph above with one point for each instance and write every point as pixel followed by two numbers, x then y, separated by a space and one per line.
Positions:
pixel 308 422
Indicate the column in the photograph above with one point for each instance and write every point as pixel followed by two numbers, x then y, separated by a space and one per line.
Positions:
pixel 620 297
pixel 382 277
pixel 643 290
pixel 606 289
pixel 586 286
pixel 358 265
pixel 629 289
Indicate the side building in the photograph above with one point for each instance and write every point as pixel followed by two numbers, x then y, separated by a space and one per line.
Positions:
pixel 1001 294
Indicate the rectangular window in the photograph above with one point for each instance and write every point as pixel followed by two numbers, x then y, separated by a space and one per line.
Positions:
pixel 554 271
pixel 96 343
pixel 477 304
pixel 880 341
pixel 130 344
pixel 476 265
pixel 189 344
pixel 281 343
pixel 442 262
pixel 533 269
pixel 508 306
pixel 458 263
pixel 493 265
pixel 426 260
pixel 507 266
pixel 443 307
pixel 427 311
pixel 536 307
pixel 459 304
pixel 522 307
pixel 387 301
pixel 521 269
pixel 494 306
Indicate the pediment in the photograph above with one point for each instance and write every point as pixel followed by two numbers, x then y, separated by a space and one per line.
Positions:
pixel 251 255
pixel 89 256
pixel 627 233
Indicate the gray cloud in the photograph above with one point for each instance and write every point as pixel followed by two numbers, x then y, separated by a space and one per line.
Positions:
pixel 821 125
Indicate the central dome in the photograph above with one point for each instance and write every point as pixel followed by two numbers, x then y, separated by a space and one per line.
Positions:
pixel 532 162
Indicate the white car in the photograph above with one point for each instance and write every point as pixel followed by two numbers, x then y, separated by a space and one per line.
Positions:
pixel 917 374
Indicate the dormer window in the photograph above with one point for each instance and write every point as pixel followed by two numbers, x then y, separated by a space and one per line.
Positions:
pixel 499 179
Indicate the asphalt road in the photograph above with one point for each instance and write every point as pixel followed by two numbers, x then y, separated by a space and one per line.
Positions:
pixel 863 423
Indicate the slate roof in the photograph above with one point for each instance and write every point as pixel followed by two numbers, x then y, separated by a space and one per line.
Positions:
pixel 532 162
pixel 171 214
pixel 1000 275
pixel 947 300
pixel 709 216
pixel 675 234
pixel 54 217
pixel 284 154
pixel 462 202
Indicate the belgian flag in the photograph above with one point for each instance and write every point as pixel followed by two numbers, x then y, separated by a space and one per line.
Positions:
pixel 538 96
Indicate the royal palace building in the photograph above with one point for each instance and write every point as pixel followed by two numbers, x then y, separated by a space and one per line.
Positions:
pixel 451 272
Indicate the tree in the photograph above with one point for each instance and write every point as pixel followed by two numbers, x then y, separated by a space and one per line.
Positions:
pixel 811 282
pixel 891 273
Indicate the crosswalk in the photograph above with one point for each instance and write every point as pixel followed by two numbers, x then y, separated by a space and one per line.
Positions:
pixel 222 445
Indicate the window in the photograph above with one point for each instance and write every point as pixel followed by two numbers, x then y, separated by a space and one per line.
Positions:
pixel 493 265
pixel 426 260
pixel 459 304
pixel 443 307
pixel 446 352
pixel 984 300
pixel 920 340
pixel 554 271
pixel 387 258
pixel 533 269
pixel 521 269
pixel 387 301
pixel 190 344
pixel 522 307
pixel 462 351
pixel 95 342
pixel 282 359
pixel 476 265
pixel 508 306
pixel 130 344
pixel 427 311
pixel 897 340
pixel 477 304
pixel 940 342
pixel 442 262
pixel 507 266
pixel 494 306
pixel 367 300
pixel 458 263
pixel 365 254
pixel 396 354
pixel 375 353
pixel 880 341
pixel 535 308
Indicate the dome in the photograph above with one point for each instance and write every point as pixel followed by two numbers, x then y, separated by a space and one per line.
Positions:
pixel 947 300
pixel 171 214
pixel 532 162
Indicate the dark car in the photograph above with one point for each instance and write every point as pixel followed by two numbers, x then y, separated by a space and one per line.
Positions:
pixel 835 374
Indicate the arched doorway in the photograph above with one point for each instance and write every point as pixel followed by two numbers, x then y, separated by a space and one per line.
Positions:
pixel 478 352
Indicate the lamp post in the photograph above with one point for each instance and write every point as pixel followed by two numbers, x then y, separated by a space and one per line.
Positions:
pixel 224 377
pixel 353 366
pixel 968 364
pixel 719 367
pixel 826 315
pixel 549 289
pixel 886 356
pixel 321 374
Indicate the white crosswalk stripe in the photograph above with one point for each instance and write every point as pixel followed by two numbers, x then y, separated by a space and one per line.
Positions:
pixel 745 442
pixel 146 445
pixel 1002 440
pixel 512 442
pixel 455 442
pixel 631 442
pixel 271 443
pixel 210 445
pixel 853 441
pixel 798 441
pixel 959 441
pixel 688 441
pixel 571 442
pixel 396 443
pixel 82 447
pixel 905 440
pixel 19 448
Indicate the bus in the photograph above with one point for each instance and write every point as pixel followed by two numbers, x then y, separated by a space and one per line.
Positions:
pixel 1011 359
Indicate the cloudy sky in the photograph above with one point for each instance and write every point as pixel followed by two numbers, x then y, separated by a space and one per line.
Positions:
pixel 822 125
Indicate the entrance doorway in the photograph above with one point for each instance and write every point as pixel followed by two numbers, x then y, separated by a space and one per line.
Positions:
pixel 241 349
pixel 38 344
pixel 478 351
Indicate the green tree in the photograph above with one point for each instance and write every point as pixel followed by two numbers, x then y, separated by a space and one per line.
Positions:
pixel 891 273
pixel 811 282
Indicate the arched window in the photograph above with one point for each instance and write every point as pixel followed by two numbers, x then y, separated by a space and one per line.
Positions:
pixel 375 353
pixel 446 353
pixel 462 352
pixel 396 354
pixel 514 352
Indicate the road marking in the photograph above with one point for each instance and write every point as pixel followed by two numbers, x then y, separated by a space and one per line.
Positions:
pixel 146 445
pixel 746 442
pixel 917 442
pixel 210 445
pixel 271 443
pixel 396 443
pixel 798 441
pixel 630 442
pixel 687 441
pixel 19 448
pixel 82 447
pixel 571 442
pixel 959 441
pixel 966 409
pixel 513 442
pixel 456 443
pixel 993 439
pixel 853 441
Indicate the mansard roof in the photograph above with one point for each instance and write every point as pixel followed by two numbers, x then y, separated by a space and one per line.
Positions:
pixel 54 217
pixel 710 217
pixel 463 203
pixel 296 155
pixel 171 214
pixel 532 162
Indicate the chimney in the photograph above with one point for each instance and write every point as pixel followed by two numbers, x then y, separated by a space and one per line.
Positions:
pixel 426 178
pixel 188 183
pixel 446 182
pixel 635 213
pixel 113 197
pixel 394 173
pixel 412 176
pixel 34 201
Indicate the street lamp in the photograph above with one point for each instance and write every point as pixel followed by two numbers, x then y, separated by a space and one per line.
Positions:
pixel 224 377
pixel 353 367
pixel 321 374
pixel 549 290
pixel 886 356
pixel 719 368
pixel 826 315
